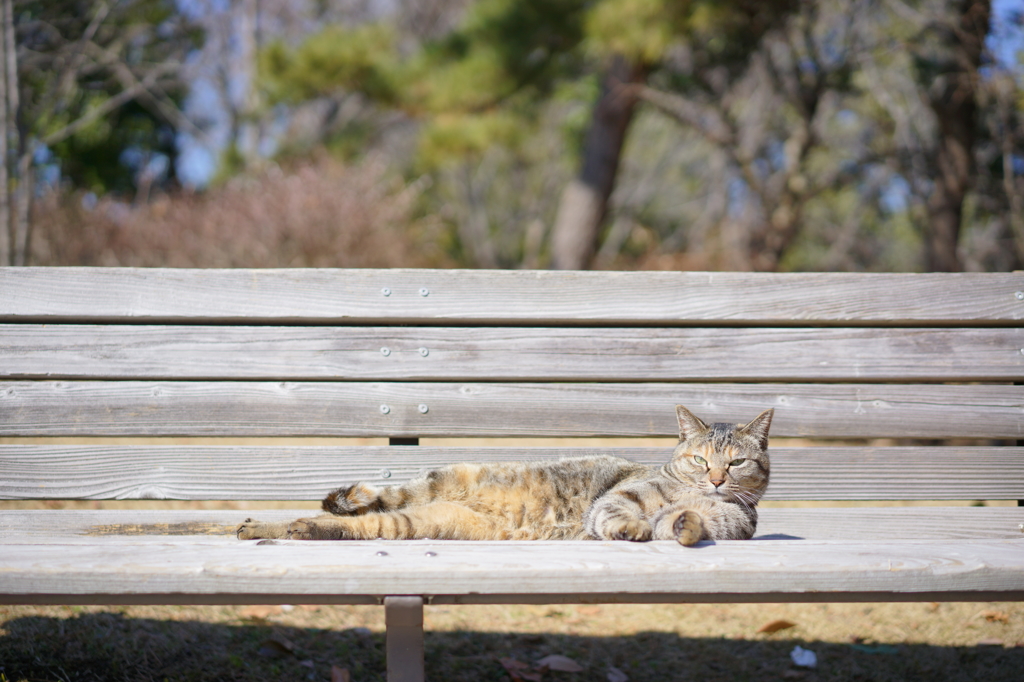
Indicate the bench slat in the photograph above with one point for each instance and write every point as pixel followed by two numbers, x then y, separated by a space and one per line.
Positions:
pixel 504 354
pixel 308 473
pixel 517 297
pixel 140 408
pixel 860 524
pixel 777 570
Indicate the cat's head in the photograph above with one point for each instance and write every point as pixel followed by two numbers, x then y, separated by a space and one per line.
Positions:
pixel 720 460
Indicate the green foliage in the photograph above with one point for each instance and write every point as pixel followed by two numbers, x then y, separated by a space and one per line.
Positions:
pixel 640 30
pixel 93 158
pixel 514 45
pixel 362 59
pixel 458 135
pixel 62 79
pixel 483 83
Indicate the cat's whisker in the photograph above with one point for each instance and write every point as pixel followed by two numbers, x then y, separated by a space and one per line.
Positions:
pixel 743 499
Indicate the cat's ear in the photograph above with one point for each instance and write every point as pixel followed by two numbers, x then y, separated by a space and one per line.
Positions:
pixel 758 427
pixel 690 424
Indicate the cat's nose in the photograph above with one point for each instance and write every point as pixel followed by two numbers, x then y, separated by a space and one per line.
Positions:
pixel 717 482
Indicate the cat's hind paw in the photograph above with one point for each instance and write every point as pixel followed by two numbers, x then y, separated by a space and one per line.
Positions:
pixel 251 529
pixel 319 528
pixel 301 529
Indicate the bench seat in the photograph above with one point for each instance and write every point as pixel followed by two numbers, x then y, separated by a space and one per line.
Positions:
pixel 191 557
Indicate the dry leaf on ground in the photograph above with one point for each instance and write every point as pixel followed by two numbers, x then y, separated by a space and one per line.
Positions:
pixel 276 647
pixel 775 626
pixel 519 671
pixel 993 616
pixel 260 612
pixel 339 674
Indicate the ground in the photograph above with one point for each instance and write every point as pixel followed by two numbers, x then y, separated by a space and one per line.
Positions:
pixel 926 641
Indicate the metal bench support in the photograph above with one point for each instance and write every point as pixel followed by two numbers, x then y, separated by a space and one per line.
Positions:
pixel 403 617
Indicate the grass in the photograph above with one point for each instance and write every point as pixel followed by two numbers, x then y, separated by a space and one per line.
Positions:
pixel 927 641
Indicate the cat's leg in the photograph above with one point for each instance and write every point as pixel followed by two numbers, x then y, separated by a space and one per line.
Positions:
pixel 363 498
pixel 684 522
pixel 617 515
pixel 436 520
pixel 690 521
pixel 252 529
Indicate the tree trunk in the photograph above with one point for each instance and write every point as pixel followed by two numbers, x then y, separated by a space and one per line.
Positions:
pixel 19 192
pixel 247 127
pixel 21 204
pixel 7 117
pixel 952 98
pixel 954 171
pixel 584 202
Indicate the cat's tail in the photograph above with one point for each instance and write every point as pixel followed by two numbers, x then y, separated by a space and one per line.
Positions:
pixel 354 499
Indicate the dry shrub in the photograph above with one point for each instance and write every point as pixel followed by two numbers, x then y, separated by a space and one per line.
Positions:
pixel 320 213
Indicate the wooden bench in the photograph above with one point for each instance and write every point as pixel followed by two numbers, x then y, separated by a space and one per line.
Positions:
pixel 911 381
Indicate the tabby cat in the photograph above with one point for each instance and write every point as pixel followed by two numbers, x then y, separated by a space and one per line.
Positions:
pixel 707 491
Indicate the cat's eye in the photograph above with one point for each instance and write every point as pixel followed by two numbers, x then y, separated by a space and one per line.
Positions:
pixel 699 460
pixel 736 462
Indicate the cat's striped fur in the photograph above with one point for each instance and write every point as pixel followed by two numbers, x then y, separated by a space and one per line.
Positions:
pixel 707 491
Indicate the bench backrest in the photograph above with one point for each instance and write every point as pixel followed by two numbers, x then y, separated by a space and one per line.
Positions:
pixel 89 356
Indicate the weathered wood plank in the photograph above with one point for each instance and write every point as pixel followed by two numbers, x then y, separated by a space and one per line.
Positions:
pixel 859 524
pixel 514 297
pixel 130 408
pixel 509 354
pixel 308 473
pixel 766 569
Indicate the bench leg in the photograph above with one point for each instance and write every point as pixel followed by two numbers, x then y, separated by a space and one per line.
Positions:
pixel 403 618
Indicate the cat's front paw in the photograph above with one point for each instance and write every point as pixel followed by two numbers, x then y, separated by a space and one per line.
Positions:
pixel 635 530
pixel 688 528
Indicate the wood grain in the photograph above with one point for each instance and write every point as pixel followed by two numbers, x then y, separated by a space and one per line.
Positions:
pixel 131 408
pixel 509 354
pixel 175 472
pixel 181 571
pixel 508 297
pixel 216 527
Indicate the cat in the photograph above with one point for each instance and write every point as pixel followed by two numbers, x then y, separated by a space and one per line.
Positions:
pixel 708 490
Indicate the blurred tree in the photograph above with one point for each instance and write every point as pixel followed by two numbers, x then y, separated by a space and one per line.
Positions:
pixel 96 84
pixel 1000 181
pixel 486 80
pixel 953 119
pixel 639 38
pixel 773 119
pixel 874 100
pixel 948 51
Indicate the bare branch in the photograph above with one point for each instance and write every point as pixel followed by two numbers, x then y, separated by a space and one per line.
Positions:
pixel 149 93
pixel 108 105
pixel 67 79
pixel 709 122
